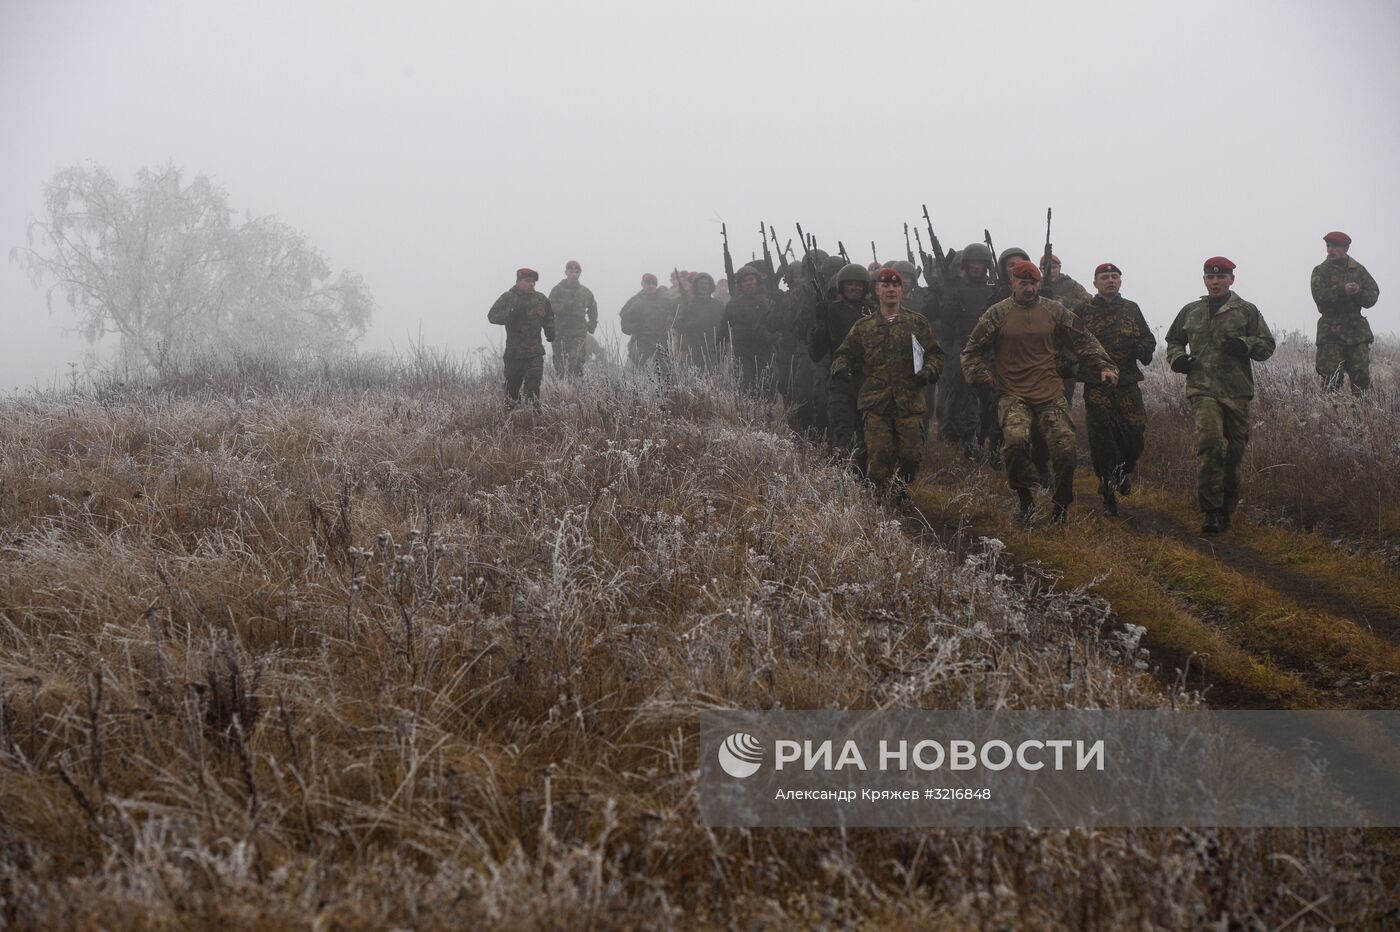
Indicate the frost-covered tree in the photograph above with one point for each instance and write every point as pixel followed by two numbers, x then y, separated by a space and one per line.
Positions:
pixel 166 267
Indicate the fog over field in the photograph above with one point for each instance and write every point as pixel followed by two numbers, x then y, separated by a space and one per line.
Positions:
pixel 435 147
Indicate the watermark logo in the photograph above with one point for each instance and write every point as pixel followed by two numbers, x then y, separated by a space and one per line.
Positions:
pixel 741 755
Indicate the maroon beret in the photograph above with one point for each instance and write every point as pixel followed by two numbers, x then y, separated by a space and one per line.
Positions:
pixel 1026 270
pixel 1107 267
pixel 572 264
pixel 526 273
pixel 1219 265
pixel 1336 238
pixel 649 279
pixel 873 267
pixel 889 277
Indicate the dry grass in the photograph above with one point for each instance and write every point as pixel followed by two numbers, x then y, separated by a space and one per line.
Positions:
pixel 1316 460
pixel 352 645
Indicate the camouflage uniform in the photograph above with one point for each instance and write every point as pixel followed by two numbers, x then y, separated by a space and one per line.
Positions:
pixel 1219 389
pixel 746 327
pixel 834 323
pixel 697 325
pixel 524 316
pixel 647 318
pixel 891 398
pixel 1047 407
pixel 1115 415
pixel 1344 336
pixel 575 317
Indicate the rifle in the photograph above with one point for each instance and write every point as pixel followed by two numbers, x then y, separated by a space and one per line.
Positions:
pixel 996 266
pixel 763 238
pixel 811 263
pixel 874 256
pixel 908 252
pixel 1046 288
pixel 782 253
pixel 937 248
pixel 925 260
pixel 841 248
pixel 728 261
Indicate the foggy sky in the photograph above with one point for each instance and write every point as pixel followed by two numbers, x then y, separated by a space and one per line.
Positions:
pixel 435 147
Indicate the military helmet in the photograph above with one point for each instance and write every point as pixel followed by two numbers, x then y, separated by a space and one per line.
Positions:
pixel 1008 254
pixel 830 266
pixel 820 255
pixel 706 276
pixel 907 271
pixel 976 252
pixel 887 264
pixel 744 271
pixel 853 273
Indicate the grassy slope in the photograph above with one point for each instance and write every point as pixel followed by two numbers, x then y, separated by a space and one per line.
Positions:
pixel 355 645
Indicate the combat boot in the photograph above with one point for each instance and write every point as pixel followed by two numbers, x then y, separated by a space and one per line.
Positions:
pixel 1125 483
pixel 1025 508
pixel 1060 515
pixel 1110 501
pixel 1224 519
pixel 1212 522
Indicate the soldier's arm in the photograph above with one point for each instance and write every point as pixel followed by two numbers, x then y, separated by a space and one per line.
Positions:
pixel 1145 343
pixel 974 355
pixel 548 320
pixel 1176 337
pixel 934 359
pixel 849 359
pixel 1370 291
pixel 1326 289
pixel 500 311
pixel 1257 336
pixel 590 310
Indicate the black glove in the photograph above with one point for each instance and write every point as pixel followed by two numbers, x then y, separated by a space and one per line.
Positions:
pixel 1144 354
pixel 1237 348
pixel 1183 364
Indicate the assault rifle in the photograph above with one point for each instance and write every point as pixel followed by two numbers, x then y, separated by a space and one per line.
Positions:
pixel 728 261
pixel 1046 287
pixel 937 248
pixel 909 252
pixel 996 266
pixel 841 248
pixel 874 256
pixel 810 261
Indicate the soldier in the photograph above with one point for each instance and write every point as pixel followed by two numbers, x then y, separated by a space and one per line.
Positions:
pixel 884 349
pixel 1224 332
pixel 1024 332
pixel 698 321
pixel 745 327
pixel 834 321
pixel 647 318
pixel 959 420
pixel 524 312
pixel 575 316
pixel 1116 418
pixel 1341 287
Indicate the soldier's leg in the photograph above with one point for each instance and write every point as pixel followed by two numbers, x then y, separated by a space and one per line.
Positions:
pixel 818 378
pixel 985 414
pixel 1015 420
pixel 1099 420
pixel 578 352
pixel 909 446
pixel 1356 359
pixel 1235 422
pixel 533 375
pixel 880 446
pixel 515 375
pixel 1130 425
pixel 1040 456
pixel 1209 420
pixel 1329 364
pixel 1058 429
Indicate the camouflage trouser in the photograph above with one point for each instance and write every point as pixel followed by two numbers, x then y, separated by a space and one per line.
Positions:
pixel 1017 418
pixel 524 374
pixel 569 353
pixel 1338 360
pixel 894 446
pixel 1222 431
pixel 847 431
pixel 1117 424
